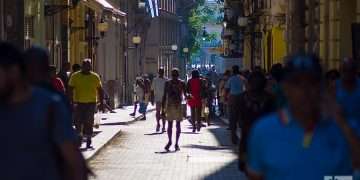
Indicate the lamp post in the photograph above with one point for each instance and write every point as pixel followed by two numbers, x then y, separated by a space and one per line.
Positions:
pixel 186 53
pixel 136 40
pixel 174 49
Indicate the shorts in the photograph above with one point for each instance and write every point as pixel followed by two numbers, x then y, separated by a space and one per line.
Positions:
pixel 174 112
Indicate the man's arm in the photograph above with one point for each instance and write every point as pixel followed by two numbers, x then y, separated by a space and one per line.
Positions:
pixel 164 96
pixel 75 161
pixel 101 95
pixel 70 94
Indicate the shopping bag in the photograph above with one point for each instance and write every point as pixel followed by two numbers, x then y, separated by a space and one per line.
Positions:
pixel 97 119
pixel 143 107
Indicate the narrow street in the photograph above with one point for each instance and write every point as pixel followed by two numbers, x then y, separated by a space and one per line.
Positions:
pixel 137 153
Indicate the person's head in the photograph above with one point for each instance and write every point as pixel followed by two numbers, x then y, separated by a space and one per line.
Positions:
pixel 76 67
pixel 52 70
pixel 86 66
pixel 37 64
pixel 195 74
pixel 331 76
pixel 161 72
pixel 302 83
pixel 257 69
pixel 236 70
pixel 227 73
pixel 65 66
pixel 12 70
pixel 175 73
pixel 257 82
pixel 277 72
pixel 349 69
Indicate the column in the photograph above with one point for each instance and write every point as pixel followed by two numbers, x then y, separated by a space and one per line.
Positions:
pixel 358 11
pixel 334 29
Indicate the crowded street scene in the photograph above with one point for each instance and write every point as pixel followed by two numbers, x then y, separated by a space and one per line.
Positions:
pixel 180 89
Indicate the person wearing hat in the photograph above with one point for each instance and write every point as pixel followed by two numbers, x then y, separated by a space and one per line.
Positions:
pixel 348 92
pixel 305 140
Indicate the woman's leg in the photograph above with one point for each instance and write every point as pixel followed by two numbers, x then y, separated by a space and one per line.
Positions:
pixel 178 132
pixel 169 132
pixel 193 118
pixel 135 108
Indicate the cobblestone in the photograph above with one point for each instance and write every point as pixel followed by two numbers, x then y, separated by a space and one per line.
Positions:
pixel 137 153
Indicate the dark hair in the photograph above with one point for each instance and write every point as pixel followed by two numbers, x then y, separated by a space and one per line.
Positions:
pixel 37 55
pixel 227 73
pixel 259 78
pixel 10 55
pixel 161 70
pixel 52 68
pixel 175 72
pixel 195 74
pixel 76 67
pixel 277 72
pixel 332 74
pixel 236 69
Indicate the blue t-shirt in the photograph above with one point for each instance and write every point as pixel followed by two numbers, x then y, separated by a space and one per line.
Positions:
pixel 276 151
pixel 350 103
pixel 235 84
pixel 29 137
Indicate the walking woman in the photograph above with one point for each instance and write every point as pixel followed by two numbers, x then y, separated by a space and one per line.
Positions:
pixel 174 91
pixel 194 88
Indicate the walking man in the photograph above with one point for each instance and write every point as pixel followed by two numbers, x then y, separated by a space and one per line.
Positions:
pixel 174 91
pixel 157 91
pixel 234 87
pixel 38 127
pixel 85 90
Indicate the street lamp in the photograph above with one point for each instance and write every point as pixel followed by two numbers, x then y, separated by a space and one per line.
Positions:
pixel 186 53
pixel 225 21
pixel 242 21
pixel 174 47
pixel 136 40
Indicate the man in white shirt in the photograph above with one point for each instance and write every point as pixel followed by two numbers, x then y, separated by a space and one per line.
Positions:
pixel 157 90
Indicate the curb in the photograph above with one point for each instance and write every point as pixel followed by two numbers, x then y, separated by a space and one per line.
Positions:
pixel 117 133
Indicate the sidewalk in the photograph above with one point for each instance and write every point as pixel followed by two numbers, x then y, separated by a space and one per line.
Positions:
pixel 110 126
pixel 138 153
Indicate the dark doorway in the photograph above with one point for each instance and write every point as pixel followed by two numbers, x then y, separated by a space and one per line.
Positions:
pixel 356 40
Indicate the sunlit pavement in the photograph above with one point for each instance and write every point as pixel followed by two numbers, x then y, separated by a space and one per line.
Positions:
pixel 137 153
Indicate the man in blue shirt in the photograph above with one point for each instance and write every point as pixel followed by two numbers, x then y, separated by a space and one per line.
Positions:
pixel 234 87
pixel 297 143
pixel 38 139
pixel 348 93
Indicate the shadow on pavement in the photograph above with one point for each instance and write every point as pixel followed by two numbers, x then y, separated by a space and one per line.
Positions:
pixel 153 134
pixel 126 123
pixel 229 171
pixel 189 133
pixel 204 147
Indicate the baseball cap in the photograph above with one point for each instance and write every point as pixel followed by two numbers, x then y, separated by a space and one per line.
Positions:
pixel 303 64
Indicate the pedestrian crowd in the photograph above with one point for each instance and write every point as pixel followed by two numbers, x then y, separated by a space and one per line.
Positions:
pixel 295 121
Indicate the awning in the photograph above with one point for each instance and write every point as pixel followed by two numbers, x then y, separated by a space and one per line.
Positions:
pixel 99 5
pixel 110 7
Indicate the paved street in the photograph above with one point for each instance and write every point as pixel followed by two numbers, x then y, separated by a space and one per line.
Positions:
pixel 137 153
